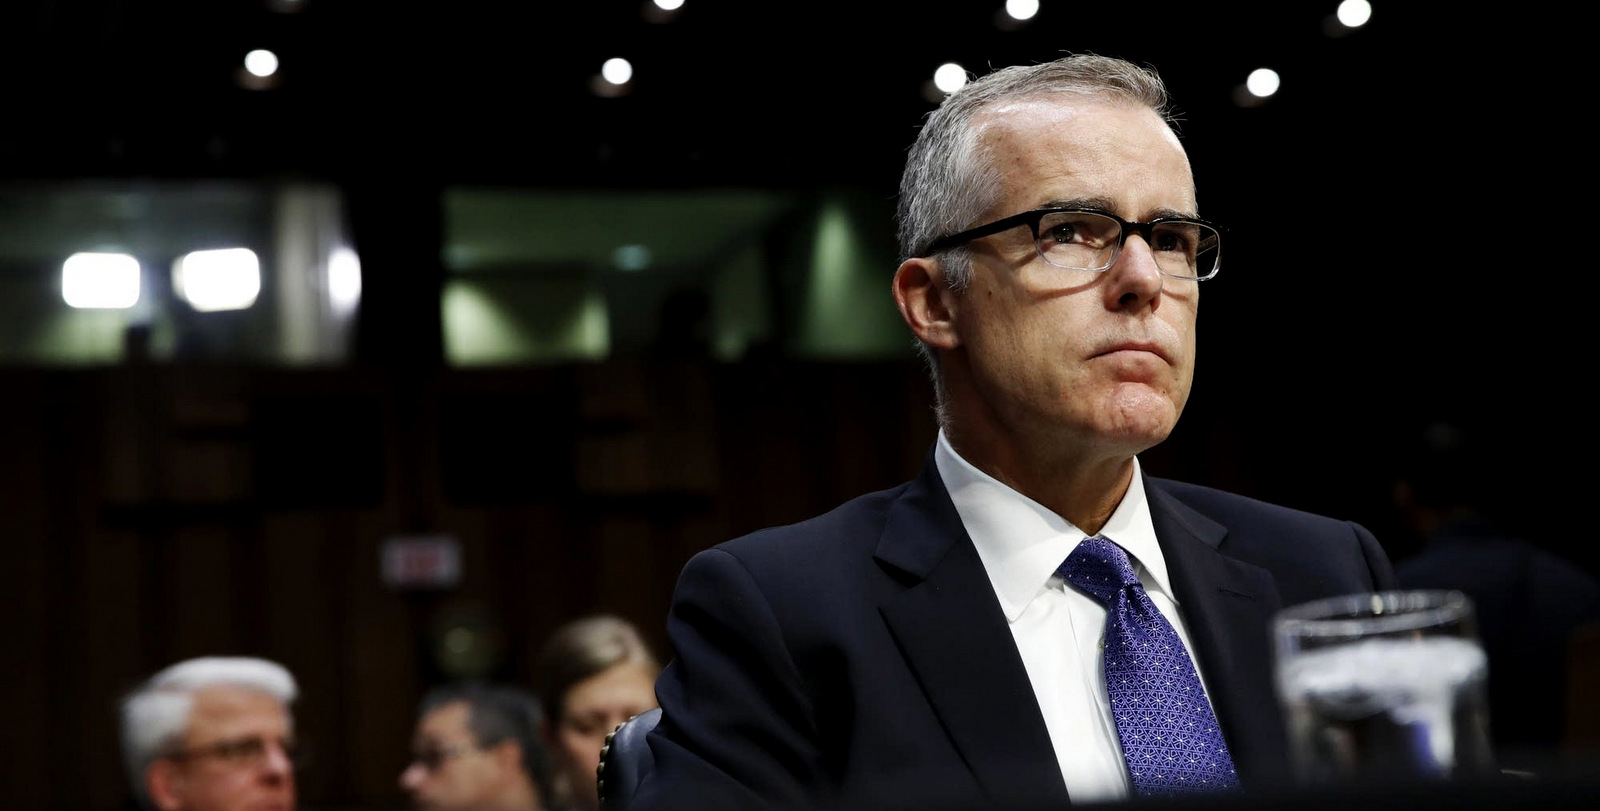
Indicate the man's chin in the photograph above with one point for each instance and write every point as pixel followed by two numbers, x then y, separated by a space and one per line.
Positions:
pixel 1140 415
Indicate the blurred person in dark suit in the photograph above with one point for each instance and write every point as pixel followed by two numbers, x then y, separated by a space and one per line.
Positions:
pixel 592 673
pixel 476 747
pixel 212 734
pixel 922 647
pixel 1530 602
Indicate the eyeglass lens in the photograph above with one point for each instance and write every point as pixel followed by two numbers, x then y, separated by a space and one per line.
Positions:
pixel 1083 240
pixel 432 758
pixel 248 750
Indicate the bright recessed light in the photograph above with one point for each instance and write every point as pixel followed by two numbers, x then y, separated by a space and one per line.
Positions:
pixel 669 5
pixel 261 63
pixel 1262 82
pixel 1354 13
pixel 100 281
pixel 616 70
pixel 949 77
pixel 1022 9
pixel 225 279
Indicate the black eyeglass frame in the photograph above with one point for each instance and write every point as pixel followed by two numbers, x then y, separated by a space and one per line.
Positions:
pixel 1033 217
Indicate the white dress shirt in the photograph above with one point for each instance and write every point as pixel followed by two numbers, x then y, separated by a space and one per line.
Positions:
pixel 1059 630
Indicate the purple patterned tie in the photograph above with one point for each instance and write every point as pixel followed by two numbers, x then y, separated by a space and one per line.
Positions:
pixel 1170 738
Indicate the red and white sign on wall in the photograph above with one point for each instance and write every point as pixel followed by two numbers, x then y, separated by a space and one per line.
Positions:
pixel 421 562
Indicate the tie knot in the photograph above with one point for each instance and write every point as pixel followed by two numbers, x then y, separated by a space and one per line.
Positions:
pixel 1099 567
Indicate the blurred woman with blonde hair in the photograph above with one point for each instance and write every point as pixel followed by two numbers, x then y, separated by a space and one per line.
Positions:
pixel 592 674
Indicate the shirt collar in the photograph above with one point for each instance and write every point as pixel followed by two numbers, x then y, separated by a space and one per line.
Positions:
pixel 1022 543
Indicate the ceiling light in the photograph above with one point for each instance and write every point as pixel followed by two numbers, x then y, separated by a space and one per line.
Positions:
pixel 950 77
pixel 1262 82
pixel 1022 9
pixel 616 70
pixel 261 62
pixel 1354 13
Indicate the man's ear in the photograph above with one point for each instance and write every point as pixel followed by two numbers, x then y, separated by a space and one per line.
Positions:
pixel 927 304
pixel 165 784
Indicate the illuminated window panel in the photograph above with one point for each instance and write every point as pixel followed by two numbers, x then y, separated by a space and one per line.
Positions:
pixel 216 280
pixel 100 281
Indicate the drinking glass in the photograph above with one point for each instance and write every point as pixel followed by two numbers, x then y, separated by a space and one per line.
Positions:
pixel 1384 687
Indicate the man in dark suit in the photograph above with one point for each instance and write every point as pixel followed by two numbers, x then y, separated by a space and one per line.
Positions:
pixel 1531 604
pixel 924 647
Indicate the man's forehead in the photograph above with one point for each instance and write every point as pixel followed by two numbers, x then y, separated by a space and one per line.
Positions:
pixel 448 718
pixel 1072 117
pixel 228 705
pixel 1063 109
pixel 228 697
pixel 1092 151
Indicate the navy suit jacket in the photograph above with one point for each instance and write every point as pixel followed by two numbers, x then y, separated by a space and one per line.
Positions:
pixel 861 660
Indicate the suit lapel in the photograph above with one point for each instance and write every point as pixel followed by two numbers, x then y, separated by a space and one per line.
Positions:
pixel 1227 606
pixel 950 628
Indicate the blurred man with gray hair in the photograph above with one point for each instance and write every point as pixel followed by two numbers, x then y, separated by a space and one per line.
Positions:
pixel 212 734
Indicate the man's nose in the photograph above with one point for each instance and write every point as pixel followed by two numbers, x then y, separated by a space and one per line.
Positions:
pixel 277 758
pixel 1135 275
pixel 411 776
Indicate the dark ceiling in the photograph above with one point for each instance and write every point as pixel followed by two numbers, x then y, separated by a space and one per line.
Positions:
pixel 726 92
pixel 1350 290
pixel 1421 111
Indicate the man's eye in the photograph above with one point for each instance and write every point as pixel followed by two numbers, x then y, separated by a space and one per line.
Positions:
pixel 1179 238
pixel 1062 233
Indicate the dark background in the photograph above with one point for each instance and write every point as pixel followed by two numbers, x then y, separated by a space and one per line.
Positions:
pixel 1405 244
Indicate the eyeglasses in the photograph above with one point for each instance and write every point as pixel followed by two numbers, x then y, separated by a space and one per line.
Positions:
pixel 248 752
pixel 1086 239
pixel 434 757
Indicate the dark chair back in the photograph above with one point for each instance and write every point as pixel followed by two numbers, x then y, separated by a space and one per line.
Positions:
pixel 625 760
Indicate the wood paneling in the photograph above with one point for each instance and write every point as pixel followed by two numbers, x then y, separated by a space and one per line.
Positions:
pixel 157 513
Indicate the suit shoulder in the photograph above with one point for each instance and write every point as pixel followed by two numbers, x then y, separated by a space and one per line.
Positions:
pixel 1227 506
pixel 1310 555
pixel 858 520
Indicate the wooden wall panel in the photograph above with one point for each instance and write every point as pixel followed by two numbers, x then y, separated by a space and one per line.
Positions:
pixel 158 513
pixel 303 601
pixel 200 593
pixel 376 637
pixel 117 636
pixel 626 548
pixel 33 617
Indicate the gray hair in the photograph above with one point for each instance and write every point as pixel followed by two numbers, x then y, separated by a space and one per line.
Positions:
pixel 155 715
pixel 949 179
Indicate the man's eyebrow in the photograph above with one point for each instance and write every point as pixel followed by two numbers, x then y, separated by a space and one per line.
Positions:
pixel 1171 212
pixel 1096 203
pixel 1106 205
